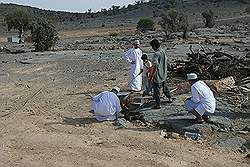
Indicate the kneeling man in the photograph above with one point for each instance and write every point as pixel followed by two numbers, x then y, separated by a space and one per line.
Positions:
pixel 202 100
pixel 107 105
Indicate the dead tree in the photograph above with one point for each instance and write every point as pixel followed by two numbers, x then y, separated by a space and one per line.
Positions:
pixel 212 65
pixel 209 18
pixel 174 21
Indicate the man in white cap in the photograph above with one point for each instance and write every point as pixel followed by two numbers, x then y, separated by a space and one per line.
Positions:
pixel 133 56
pixel 202 100
pixel 107 105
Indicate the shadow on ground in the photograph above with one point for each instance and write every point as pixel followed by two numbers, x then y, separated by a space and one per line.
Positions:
pixel 75 121
pixel 78 121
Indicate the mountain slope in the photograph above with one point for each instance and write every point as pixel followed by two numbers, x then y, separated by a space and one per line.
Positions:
pixel 128 16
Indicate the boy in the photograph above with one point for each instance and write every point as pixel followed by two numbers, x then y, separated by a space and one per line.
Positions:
pixel 149 68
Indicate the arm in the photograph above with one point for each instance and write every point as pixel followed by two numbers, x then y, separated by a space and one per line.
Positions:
pixel 195 95
pixel 151 74
pixel 117 107
pixel 97 97
pixel 155 65
pixel 127 56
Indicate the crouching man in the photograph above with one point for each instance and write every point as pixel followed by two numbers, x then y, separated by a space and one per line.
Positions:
pixel 107 105
pixel 202 100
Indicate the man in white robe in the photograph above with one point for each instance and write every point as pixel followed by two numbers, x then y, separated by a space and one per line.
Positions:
pixel 107 105
pixel 202 100
pixel 133 56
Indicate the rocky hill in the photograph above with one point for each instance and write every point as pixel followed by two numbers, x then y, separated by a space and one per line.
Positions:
pixel 129 15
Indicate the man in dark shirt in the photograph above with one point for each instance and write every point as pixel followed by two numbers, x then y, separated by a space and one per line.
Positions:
pixel 159 73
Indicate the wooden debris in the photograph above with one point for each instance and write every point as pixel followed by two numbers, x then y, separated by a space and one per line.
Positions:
pixel 211 65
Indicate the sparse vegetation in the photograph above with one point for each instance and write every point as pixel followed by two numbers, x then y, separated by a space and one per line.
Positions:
pixel 18 20
pixel 174 21
pixel 113 34
pixel 145 24
pixel 44 35
pixel 209 18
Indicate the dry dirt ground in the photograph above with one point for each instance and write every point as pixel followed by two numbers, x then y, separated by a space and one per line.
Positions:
pixel 45 118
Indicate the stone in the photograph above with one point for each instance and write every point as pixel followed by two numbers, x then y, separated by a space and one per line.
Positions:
pixel 174 135
pixel 243 132
pixel 221 122
pixel 163 134
pixel 169 135
pixel 230 143
pixel 222 84
pixel 247 128
pixel 123 123
pixel 99 142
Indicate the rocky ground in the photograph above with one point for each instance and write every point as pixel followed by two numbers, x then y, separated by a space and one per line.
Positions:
pixel 45 107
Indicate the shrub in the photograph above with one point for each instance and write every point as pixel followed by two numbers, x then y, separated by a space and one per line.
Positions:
pixel 44 35
pixel 113 34
pixel 145 24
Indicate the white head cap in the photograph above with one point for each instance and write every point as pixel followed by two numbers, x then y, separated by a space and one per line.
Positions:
pixel 191 76
pixel 137 42
pixel 116 88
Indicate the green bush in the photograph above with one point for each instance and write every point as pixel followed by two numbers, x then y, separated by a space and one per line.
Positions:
pixel 145 24
pixel 18 20
pixel 44 35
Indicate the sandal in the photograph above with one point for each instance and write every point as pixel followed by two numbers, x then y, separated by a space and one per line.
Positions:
pixel 156 107
pixel 197 121
pixel 206 118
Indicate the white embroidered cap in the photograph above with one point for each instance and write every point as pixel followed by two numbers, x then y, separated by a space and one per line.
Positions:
pixel 137 42
pixel 191 76
pixel 116 88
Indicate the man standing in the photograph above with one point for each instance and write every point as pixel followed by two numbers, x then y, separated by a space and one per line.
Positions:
pixel 133 56
pixel 202 100
pixel 107 105
pixel 159 73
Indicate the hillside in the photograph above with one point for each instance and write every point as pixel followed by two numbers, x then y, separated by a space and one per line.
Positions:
pixel 128 16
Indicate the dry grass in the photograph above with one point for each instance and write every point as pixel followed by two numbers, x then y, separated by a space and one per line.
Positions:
pixel 3 39
pixel 96 32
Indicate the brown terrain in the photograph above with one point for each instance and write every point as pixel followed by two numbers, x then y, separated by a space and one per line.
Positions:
pixel 45 100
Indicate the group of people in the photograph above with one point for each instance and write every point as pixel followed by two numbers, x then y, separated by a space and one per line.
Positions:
pixel 107 104
pixel 156 71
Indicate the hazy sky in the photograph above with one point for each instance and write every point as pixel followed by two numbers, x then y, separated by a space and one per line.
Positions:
pixel 70 5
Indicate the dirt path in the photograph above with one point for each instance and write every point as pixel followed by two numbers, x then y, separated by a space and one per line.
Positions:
pixel 43 124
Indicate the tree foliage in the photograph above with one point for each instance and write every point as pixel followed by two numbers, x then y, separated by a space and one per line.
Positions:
pixel 19 20
pixel 174 21
pixel 209 18
pixel 145 24
pixel 44 35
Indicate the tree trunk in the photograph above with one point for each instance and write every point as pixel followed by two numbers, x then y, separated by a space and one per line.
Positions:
pixel 20 35
pixel 184 36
